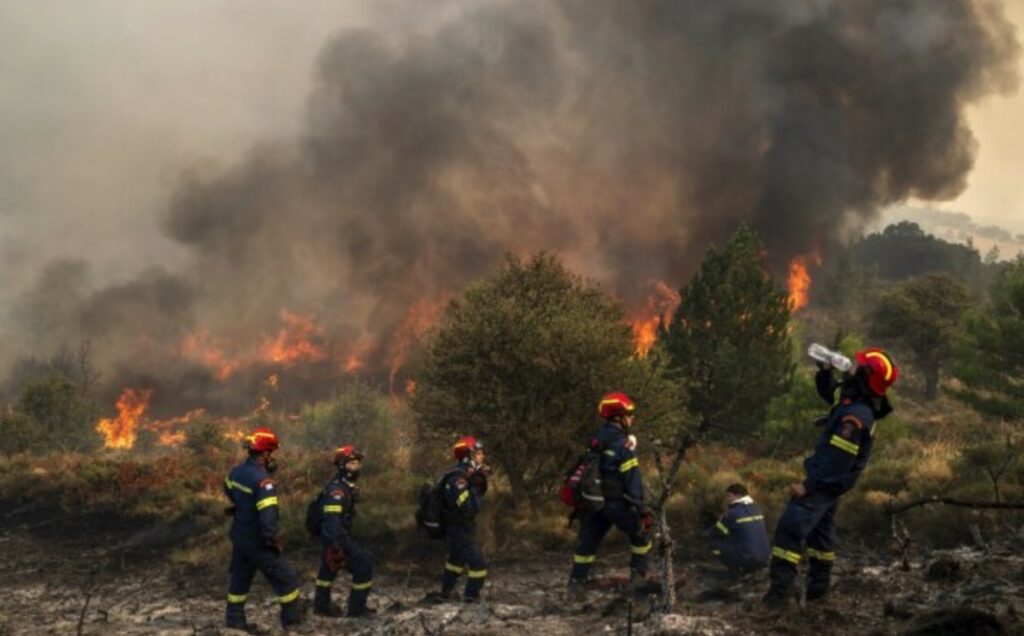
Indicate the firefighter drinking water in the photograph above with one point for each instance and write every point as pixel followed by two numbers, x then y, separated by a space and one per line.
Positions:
pixel 840 455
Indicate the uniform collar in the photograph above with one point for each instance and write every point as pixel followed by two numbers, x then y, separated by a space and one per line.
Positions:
pixel 742 500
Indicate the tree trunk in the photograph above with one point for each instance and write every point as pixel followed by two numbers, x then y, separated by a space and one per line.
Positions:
pixel 667 600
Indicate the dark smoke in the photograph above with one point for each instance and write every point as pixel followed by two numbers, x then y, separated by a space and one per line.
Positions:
pixel 626 136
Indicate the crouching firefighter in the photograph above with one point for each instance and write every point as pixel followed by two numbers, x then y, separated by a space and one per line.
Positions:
pixel 253 534
pixel 739 539
pixel 337 503
pixel 840 455
pixel 462 488
pixel 623 490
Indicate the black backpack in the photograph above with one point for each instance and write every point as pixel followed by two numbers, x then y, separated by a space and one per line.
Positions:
pixel 582 489
pixel 430 514
pixel 315 515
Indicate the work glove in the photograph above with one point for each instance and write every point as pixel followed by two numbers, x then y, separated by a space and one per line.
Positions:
pixel 335 559
pixel 274 544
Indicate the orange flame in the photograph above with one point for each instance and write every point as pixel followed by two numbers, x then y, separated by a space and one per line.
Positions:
pixel 120 432
pixel 799 281
pixel 170 438
pixel 661 304
pixel 199 346
pixel 410 387
pixel 421 315
pixel 299 340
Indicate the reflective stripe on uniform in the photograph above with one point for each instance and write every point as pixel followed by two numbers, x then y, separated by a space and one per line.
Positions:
pixel 263 503
pixel 580 558
pixel 288 598
pixel 362 586
pixel 237 486
pixel 462 498
pixel 629 464
pixel 750 519
pixel 453 568
pixel 323 583
pixel 786 555
pixel 845 445
pixel 722 528
pixel 237 598
pixel 476 574
pixel 335 508
pixel 821 555
pixel 640 549
pixel 716 552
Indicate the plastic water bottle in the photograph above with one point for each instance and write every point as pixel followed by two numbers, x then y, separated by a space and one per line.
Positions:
pixel 827 356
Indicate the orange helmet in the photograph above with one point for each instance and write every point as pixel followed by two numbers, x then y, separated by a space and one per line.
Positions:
pixel 261 440
pixel 881 371
pixel 346 453
pixel 466 446
pixel 614 404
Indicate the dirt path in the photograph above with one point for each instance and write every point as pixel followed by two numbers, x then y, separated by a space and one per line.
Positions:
pixel 53 586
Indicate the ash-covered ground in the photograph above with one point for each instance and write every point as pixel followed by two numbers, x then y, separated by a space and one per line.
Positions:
pixel 62 575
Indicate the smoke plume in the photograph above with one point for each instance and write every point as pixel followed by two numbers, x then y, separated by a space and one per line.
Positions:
pixel 626 136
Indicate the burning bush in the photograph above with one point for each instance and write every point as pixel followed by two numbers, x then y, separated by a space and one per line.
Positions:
pixel 522 358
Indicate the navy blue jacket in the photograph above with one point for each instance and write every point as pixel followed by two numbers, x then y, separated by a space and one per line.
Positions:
pixel 620 468
pixel 252 491
pixel 338 498
pixel 740 537
pixel 844 446
pixel 461 497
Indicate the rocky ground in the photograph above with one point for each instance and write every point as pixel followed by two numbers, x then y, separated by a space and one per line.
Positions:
pixel 101 581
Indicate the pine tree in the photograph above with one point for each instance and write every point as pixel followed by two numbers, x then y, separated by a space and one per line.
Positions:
pixel 990 359
pixel 729 338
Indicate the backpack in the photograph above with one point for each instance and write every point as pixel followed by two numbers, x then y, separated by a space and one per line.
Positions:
pixel 315 516
pixel 429 515
pixel 581 489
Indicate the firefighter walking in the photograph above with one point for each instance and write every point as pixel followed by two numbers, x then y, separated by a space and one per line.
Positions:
pixel 463 486
pixel 338 500
pixel 623 490
pixel 254 542
pixel 840 455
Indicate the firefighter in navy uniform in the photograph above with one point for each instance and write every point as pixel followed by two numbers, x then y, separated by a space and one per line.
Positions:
pixel 253 534
pixel 464 485
pixel 623 490
pixel 339 499
pixel 840 454
pixel 739 538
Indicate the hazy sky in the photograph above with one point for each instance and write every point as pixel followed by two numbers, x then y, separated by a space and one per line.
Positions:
pixel 104 103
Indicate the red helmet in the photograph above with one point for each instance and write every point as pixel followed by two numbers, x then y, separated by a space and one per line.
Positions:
pixel 466 446
pixel 346 453
pixel 881 371
pixel 261 440
pixel 614 404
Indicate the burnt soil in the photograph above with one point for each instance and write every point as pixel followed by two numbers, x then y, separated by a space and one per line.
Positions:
pixel 99 573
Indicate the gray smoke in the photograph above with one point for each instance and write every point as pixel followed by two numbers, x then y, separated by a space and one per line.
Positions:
pixel 626 136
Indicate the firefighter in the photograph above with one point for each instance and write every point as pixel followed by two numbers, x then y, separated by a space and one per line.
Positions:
pixel 623 489
pixel 255 546
pixel 739 538
pixel 464 486
pixel 340 550
pixel 840 454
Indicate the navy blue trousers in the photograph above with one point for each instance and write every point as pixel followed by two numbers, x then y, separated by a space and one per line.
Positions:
pixel 359 565
pixel 809 519
pixel 595 525
pixel 246 560
pixel 464 555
